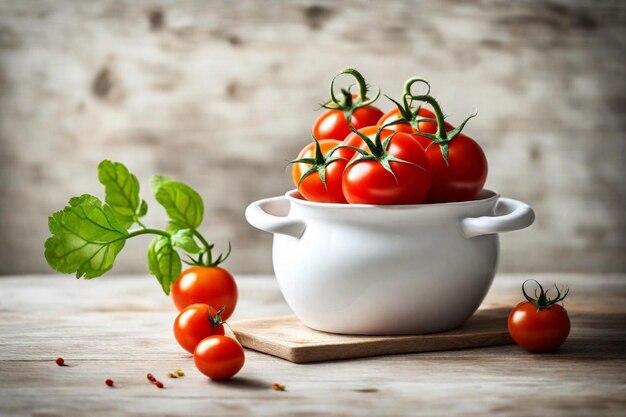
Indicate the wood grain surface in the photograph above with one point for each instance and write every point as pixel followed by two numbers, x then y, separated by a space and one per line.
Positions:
pixel 286 337
pixel 120 328
pixel 221 93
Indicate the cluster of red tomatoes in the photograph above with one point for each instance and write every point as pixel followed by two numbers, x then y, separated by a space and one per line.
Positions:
pixel 198 293
pixel 409 155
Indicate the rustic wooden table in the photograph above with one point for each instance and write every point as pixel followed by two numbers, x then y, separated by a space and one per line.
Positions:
pixel 120 328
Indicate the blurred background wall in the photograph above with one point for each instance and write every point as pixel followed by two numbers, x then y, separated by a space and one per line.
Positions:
pixel 219 94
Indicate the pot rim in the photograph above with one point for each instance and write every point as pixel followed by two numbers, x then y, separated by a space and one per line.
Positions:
pixel 486 195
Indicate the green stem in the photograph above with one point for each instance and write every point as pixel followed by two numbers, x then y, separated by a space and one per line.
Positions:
pixel 140 223
pixel 146 231
pixel 319 156
pixel 206 245
pixel 413 117
pixel 441 128
pixel 202 240
pixel 347 105
pixel 360 81
pixel 346 102
pixel 197 234
pixel 409 84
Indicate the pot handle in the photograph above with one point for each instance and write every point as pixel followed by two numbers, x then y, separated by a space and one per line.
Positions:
pixel 258 215
pixel 516 215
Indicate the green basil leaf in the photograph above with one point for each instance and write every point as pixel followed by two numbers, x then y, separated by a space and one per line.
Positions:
pixel 164 262
pixel 181 202
pixel 121 191
pixel 183 238
pixel 86 238
pixel 143 209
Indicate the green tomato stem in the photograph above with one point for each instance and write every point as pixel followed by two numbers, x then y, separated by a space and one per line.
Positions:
pixel 347 105
pixel 197 234
pixel 146 231
pixel 441 128
pixel 206 245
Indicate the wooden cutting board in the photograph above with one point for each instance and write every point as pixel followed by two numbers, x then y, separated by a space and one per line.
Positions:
pixel 286 337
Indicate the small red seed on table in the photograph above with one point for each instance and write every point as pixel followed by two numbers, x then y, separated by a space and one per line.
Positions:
pixel 60 361
pixel 155 381
pixel 109 382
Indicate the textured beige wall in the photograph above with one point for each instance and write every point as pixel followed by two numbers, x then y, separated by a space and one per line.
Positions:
pixel 220 93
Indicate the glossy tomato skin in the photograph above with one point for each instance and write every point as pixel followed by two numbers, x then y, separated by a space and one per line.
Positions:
pixel 463 177
pixel 368 182
pixel 192 326
pixel 312 188
pixel 309 152
pixel 542 330
pixel 425 127
pixel 213 285
pixel 219 357
pixel 332 124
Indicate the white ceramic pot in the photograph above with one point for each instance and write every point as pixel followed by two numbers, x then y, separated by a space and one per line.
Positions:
pixel 377 270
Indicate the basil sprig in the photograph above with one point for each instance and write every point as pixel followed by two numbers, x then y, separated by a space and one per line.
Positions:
pixel 88 234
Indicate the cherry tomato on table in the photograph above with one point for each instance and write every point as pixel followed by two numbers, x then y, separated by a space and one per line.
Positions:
pixel 210 285
pixel 195 323
pixel 219 357
pixel 394 171
pixel 539 325
pixel 354 110
pixel 318 176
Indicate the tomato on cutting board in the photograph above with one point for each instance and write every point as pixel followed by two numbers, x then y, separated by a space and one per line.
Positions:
pixel 351 110
pixel 539 324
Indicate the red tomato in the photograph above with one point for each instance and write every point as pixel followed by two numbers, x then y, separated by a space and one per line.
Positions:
pixel 463 177
pixel 368 182
pixel 206 285
pixel 457 163
pixel 219 357
pixel 539 330
pixel 350 109
pixel 312 188
pixel 425 127
pixel 195 323
pixel 539 325
pixel 355 140
pixel 332 124
pixel 298 169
